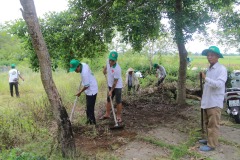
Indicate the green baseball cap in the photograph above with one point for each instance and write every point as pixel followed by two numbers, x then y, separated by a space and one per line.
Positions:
pixel 13 65
pixel 213 49
pixel 155 65
pixel 73 65
pixel 113 55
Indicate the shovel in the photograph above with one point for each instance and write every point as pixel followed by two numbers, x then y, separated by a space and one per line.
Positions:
pixel 201 87
pixel 75 102
pixel 116 125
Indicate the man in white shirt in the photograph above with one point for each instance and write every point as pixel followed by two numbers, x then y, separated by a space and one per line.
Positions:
pixel 160 73
pixel 90 87
pixel 14 76
pixel 213 96
pixel 114 78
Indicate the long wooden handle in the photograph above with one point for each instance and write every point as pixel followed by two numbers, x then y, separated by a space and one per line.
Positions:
pixel 201 87
pixel 74 105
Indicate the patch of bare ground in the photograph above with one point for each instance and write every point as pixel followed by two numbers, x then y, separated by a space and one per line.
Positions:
pixel 153 114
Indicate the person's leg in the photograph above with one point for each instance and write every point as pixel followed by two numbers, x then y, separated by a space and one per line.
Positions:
pixel 118 92
pixel 214 115
pixel 159 81
pixel 11 88
pixel 108 106
pixel 90 108
pixel 16 89
pixel 129 89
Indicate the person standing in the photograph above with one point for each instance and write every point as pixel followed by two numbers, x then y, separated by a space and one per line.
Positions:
pixel 160 73
pixel 114 80
pixel 14 76
pixel 90 87
pixel 213 97
pixel 131 80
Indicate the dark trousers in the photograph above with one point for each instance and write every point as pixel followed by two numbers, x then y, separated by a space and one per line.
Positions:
pixel 15 84
pixel 90 101
pixel 160 80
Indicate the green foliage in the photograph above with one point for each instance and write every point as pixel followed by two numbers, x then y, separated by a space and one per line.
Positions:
pixel 10 48
pixel 18 154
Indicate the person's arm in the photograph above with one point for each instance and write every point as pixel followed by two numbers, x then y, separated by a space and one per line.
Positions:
pixel 20 75
pixel 82 90
pixel 219 82
pixel 113 87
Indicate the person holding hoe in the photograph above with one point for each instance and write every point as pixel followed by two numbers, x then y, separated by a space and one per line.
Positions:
pixel 212 98
pixel 114 81
pixel 160 73
pixel 90 87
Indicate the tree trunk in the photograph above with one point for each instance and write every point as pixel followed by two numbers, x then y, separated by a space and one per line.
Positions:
pixel 181 94
pixel 65 134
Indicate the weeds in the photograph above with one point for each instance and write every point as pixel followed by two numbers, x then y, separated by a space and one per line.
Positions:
pixel 177 151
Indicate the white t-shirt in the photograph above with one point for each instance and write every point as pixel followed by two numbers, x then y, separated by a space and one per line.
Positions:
pixel 88 80
pixel 13 75
pixel 161 72
pixel 114 72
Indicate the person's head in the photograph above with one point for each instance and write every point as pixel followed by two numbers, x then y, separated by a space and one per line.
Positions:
pixel 113 55
pixel 13 65
pixel 213 54
pixel 155 65
pixel 130 71
pixel 75 66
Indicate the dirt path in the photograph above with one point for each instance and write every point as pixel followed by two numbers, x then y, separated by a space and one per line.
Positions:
pixel 156 129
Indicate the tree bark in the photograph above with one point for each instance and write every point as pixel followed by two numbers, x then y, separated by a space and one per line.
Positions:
pixel 181 94
pixel 65 133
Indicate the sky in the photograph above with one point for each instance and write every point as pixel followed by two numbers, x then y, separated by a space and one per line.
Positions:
pixel 10 9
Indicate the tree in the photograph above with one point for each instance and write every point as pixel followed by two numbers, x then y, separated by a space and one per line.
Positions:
pixel 66 138
pixel 229 21
pixel 10 47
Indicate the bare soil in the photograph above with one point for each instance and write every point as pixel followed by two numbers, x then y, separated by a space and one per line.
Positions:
pixel 152 113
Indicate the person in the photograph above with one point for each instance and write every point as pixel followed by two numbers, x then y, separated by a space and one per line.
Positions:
pixel 90 87
pixel 213 97
pixel 131 80
pixel 13 77
pixel 160 73
pixel 189 60
pixel 114 81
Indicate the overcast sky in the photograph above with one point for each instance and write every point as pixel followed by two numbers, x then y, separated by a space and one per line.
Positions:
pixel 10 9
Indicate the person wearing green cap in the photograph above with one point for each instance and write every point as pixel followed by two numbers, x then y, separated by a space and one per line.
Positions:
pixel 213 97
pixel 160 73
pixel 13 77
pixel 90 87
pixel 114 80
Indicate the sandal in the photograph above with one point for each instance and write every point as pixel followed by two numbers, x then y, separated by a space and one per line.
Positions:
pixel 104 117
pixel 206 148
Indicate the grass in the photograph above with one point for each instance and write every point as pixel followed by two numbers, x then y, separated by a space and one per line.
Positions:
pixel 26 122
pixel 178 151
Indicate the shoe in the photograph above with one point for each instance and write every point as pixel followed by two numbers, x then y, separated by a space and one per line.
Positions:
pixel 206 148
pixel 203 141
pixel 104 117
